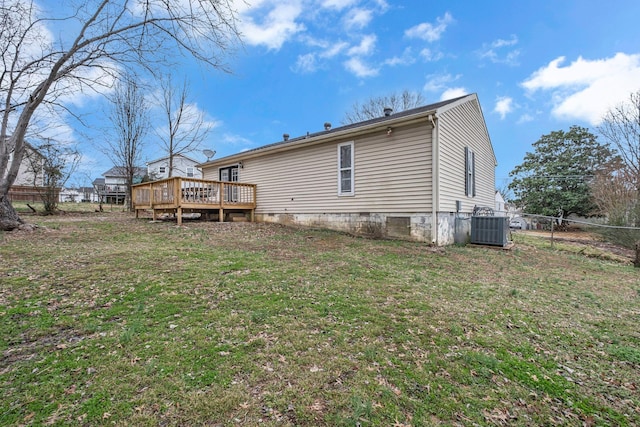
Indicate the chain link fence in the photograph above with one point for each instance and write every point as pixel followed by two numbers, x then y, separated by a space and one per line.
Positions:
pixel 620 236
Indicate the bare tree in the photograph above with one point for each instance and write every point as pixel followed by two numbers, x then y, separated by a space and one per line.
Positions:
pixel 614 194
pixel 129 117
pixel 375 106
pixel 184 128
pixel 100 38
pixel 621 128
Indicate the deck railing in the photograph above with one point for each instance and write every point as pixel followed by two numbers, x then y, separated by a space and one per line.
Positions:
pixel 179 193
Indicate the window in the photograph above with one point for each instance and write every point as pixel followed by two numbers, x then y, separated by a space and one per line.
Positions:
pixel 470 172
pixel 189 172
pixel 345 169
pixel 163 169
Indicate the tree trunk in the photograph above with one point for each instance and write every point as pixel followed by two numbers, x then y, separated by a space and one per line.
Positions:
pixel 9 219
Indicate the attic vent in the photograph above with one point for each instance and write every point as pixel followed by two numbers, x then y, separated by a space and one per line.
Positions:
pixel 327 125
pixel 285 136
pixel 388 111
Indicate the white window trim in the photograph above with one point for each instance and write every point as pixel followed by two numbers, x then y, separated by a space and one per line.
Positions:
pixel 470 172
pixel 352 168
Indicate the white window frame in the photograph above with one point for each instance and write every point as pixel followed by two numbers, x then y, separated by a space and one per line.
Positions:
pixel 190 172
pixel 350 168
pixel 162 169
pixel 470 172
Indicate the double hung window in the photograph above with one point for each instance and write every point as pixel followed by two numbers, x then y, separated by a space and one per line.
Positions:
pixel 345 169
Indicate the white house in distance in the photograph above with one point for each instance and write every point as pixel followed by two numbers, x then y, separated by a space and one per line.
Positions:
pixel 182 166
pixel 414 175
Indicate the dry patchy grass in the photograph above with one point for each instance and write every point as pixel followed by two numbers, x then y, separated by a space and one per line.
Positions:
pixel 105 319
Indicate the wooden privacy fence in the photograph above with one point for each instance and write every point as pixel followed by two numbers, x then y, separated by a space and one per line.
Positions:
pixel 180 195
pixel 29 193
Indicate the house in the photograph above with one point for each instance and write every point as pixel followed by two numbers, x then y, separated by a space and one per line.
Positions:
pixel 79 194
pixel 417 174
pixel 68 194
pixel 500 205
pixel 113 187
pixel 28 183
pixel 182 166
pixel 31 171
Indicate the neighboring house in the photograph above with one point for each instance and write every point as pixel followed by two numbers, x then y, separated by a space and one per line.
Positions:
pixel 80 194
pixel 416 174
pixel 70 195
pixel 88 194
pixel 28 184
pixel 500 205
pixel 31 171
pixel 113 188
pixel 182 166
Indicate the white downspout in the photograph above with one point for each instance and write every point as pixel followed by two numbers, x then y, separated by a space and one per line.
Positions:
pixel 435 179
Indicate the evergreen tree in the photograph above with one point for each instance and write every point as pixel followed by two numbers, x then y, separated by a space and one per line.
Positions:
pixel 555 178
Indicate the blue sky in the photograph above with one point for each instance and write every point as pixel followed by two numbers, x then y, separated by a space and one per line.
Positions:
pixel 537 66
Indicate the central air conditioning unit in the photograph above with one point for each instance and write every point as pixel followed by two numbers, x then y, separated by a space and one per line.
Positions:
pixel 490 230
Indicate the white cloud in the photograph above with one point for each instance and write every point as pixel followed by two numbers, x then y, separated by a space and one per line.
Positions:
pixel 437 82
pixel 277 27
pixel 525 118
pixel 454 92
pixel 338 4
pixel 504 105
pixel 358 18
pixel 306 63
pixel 406 59
pixel 334 49
pixel 431 56
pixel 359 68
pixel 586 89
pixel 229 139
pixel 366 46
pixel 495 51
pixel 430 32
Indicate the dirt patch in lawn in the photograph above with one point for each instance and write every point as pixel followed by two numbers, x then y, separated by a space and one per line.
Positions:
pixel 584 240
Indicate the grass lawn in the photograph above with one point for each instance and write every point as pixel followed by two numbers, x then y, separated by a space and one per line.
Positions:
pixel 108 320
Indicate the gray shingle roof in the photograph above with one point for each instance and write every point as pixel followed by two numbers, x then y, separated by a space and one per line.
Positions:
pixel 394 116
pixel 120 171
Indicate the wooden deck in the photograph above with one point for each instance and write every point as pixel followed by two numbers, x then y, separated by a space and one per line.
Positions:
pixel 179 195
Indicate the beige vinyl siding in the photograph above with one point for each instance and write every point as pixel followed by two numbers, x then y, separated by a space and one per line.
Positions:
pixel 392 174
pixel 463 125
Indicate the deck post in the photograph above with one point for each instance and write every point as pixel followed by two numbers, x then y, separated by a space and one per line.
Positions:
pixel 179 216
pixel 221 215
pixel 253 215
pixel 177 194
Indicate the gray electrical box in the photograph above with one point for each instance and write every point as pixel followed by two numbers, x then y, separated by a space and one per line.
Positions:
pixel 490 230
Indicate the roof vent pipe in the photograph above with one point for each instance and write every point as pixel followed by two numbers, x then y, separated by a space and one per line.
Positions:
pixel 388 111
pixel 327 126
pixel 285 136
